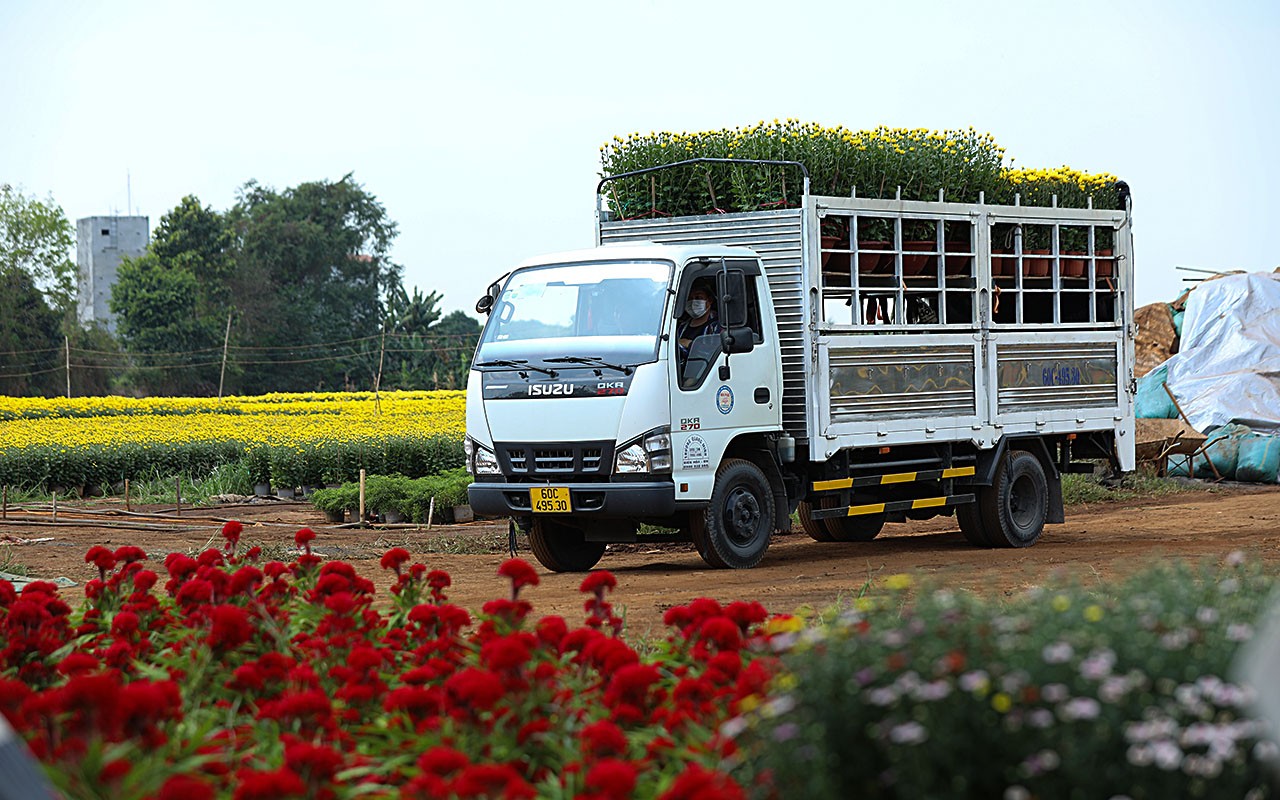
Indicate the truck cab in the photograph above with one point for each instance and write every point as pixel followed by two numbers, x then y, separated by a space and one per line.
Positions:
pixel 587 415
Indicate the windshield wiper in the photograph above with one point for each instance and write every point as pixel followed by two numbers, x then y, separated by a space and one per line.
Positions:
pixel 589 360
pixel 519 364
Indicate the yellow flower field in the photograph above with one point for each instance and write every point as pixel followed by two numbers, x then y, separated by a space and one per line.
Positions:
pixel 297 437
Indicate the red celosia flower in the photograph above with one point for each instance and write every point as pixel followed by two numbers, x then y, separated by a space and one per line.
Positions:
pixel 492 780
pixel 394 558
pixel 597 582
pixel 128 554
pixel 721 632
pixel 231 530
pixel 476 688
pixel 304 537
pixel 315 763
pixel 506 652
pixel 520 573
pixel 231 627
pixel 699 783
pixel 102 558
pixel 115 770
pixel 602 739
pixel 551 631
pixel 274 785
pixel 442 761
pixel 438 580
pixel 78 663
pixel 125 624
pixel 185 787
pixel 611 779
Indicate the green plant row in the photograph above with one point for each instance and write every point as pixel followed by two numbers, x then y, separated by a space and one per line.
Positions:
pixel 44 467
pixel 1127 690
pixel 965 164
pixel 407 496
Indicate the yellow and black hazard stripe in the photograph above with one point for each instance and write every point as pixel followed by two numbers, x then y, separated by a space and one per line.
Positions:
pixel 897 477
pixel 893 505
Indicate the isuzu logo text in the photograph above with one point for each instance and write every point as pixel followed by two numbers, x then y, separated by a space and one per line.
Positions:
pixel 537 389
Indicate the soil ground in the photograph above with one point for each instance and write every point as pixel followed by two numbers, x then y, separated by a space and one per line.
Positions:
pixel 1099 542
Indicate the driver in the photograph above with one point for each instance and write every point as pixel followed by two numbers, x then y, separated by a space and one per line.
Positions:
pixel 701 319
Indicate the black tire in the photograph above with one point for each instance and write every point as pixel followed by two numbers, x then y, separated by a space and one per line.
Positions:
pixel 816 528
pixel 971 524
pixel 561 548
pixel 739 519
pixel 859 528
pixel 1014 508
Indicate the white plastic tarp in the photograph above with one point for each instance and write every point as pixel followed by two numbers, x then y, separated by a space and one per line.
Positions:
pixel 1227 368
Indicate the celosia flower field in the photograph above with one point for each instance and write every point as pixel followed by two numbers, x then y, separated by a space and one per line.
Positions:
pixel 290 439
pixel 233 678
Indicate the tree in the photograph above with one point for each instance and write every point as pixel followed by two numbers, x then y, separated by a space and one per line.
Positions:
pixel 172 303
pixel 455 338
pixel 311 271
pixel 36 239
pixel 31 356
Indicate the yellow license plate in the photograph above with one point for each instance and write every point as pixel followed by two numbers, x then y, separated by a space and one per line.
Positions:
pixel 550 500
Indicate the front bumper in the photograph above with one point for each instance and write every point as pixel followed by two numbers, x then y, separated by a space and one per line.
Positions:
pixel 595 500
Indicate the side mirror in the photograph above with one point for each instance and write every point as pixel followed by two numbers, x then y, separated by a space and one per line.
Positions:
pixel 485 304
pixel 738 340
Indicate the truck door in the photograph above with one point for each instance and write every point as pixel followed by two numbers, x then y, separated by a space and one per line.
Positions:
pixel 717 395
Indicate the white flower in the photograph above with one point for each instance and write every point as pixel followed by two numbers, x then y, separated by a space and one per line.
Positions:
pixel 1140 755
pixel 882 696
pixel 1228 586
pixel 1098 665
pixel 908 733
pixel 1235 558
pixel 1206 615
pixel 1040 718
pixel 1057 653
pixel 1017 792
pixel 933 690
pixel 1080 708
pixel 1239 632
pixel 1113 689
pixel 975 680
pixel 730 728
pixel 1055 693
pixel 1166 755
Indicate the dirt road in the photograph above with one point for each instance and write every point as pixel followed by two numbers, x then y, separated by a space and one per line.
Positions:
pixel 1097 543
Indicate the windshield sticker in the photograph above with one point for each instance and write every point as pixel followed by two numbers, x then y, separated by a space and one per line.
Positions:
pixel 696 454
pixel 724 399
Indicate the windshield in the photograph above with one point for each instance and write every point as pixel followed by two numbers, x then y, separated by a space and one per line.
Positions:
pixel 609 310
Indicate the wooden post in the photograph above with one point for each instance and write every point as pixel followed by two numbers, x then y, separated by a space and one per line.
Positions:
pixel 55 506
pixel 4 502
pixel 67 341
pixel 226 339
pixel 127 506
pixel 377 381
pixel 362 498
pixel 431 511
pixel 177 510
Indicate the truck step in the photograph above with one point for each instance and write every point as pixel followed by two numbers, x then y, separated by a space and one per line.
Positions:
pixel 894 505
pixel 897 477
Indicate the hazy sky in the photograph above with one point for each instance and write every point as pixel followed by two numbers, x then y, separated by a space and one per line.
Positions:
pixel 478 125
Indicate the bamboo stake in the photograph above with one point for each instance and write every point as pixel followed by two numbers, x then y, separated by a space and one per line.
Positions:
pixel 67 341
pixel 226 339
pixel 4 502
pixel 55 506
pixel 177 511
pixel 127 507
pixel 361 520
pixel 431 511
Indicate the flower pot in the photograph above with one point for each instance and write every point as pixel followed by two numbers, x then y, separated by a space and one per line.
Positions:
pixel 262 489
pixel 1073 266
pixel 872 258
pixel 1106 264
pixel 1002 261
pixel 463 514
pixel 392 517
pixel 335 516
pixel 913 264
pixel 1036 263
pixel 284 494
pixel 958 258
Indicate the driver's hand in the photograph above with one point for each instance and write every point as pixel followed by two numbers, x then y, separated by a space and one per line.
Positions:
pixel 685 343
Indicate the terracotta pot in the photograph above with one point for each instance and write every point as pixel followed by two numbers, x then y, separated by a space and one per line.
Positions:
pixel 915 264
pixel 831 243
pixel 871 256
pixel 1002 262
pixel 1073 266
pixel 1106 265
pixel 1036 263
pixel 957 260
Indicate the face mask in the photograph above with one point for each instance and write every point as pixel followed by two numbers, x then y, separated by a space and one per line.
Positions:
pixel 696 308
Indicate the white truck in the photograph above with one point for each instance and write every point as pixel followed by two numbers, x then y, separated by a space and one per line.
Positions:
pixel 876 361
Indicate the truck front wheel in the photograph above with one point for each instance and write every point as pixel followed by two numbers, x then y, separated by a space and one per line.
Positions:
pixel 561 548
pixel 739 520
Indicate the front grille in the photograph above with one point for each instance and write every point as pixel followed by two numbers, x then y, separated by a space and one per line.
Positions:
pixel 559 460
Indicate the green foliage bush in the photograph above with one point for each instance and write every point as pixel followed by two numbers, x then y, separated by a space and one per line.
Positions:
pixel 1064 692
pixel 407 496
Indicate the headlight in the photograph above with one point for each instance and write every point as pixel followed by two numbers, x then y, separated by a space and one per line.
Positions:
pixel 650 453
pixel 480 459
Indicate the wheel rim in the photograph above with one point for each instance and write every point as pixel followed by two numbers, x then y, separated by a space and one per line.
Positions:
pixel 741 516
pixel 1023 505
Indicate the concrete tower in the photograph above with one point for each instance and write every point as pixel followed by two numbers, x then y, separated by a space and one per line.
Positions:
pixel 101 242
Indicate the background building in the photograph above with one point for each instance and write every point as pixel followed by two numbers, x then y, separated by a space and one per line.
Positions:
pixel 101 242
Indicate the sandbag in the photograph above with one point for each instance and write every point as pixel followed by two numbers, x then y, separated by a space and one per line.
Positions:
pixel 1259 459
pixel 1219 459
pixel 1152 401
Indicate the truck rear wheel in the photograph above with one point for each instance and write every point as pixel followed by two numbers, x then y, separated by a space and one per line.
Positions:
pixel 561 548
pixel 816 528
pixel 1011 512
pixel 739 519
